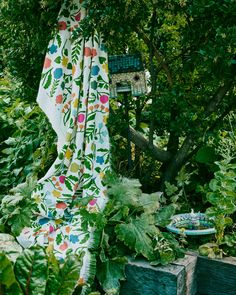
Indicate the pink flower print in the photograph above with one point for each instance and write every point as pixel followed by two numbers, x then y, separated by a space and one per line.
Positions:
pixel 61 205
pixel 59 99
pixel 94 52
pixel 51 229
pixel 87 51
pixel 64 246
pixel 81 118
pixel 104 99
pixel 47 63
pixel 78 17
pixel 62 179
pixel 93 202
pixel 62 25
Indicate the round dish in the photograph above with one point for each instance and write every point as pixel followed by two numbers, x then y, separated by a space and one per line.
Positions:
pixel 191 224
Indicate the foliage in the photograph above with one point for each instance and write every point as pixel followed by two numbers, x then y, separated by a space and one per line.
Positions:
pixel 133 224
pixel 36 272
pixel 221 192
pixel 24 34
pixel 17 208
pixel 27 142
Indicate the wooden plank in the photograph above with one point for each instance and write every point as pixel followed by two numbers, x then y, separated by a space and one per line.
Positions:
pixel 143 279
pixel 216 276
pixel 189 263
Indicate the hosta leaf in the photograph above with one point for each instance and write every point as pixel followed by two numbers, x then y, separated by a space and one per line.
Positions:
pixel 137 235
pixel 19 221
pixel 110 273
pixel 69 275
pixel 31 271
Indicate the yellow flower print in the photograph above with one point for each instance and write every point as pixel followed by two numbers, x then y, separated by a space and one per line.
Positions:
pixel 105 67
pixel 37 199
pixel 68 154
pixel 105 118
pixel 58 221
pixel 68 136
pixel 101 174
pixel 75 103
pixel 65 61
pixel 56 194
pixel 74 167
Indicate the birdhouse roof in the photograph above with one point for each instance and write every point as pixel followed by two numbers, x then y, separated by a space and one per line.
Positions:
pixel 125 63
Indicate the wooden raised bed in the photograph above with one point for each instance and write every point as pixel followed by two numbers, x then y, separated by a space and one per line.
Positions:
pixel 192 275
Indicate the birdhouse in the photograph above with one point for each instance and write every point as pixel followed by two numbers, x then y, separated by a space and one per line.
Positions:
pixel 126 75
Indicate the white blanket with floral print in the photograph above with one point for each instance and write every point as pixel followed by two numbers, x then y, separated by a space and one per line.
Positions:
pixel 74 95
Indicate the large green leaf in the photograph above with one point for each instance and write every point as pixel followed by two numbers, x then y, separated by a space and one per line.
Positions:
pixel 163 216
pixel 137 235
pixel 54 278
pixel 69 276
pixel 150 203
pixel 31 271
pixel 7 276
pixel 110 273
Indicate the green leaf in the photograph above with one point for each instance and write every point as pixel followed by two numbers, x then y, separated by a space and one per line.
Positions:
pixel 150 203
pixel 54 278
pixel 69 275
pixel 206 154
pixel 163 216
pixel 31 271
pixel 68 185
pixel 110 273
pixel 7 276
pixel 137 235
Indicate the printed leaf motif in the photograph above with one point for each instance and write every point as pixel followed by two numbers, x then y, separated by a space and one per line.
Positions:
pixel 68 185
pixel 31 271
pixel 136 235
pixel 48 82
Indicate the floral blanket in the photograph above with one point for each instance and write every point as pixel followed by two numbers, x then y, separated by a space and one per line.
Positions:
pixel 74 95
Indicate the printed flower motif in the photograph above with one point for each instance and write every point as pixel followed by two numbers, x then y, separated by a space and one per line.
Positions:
pixel 65 61
pixel 62 25
pixel 49 200
pixel 59 98
pixel 51 229
pixel 104 99
pixel 64 246
pixel 81 118
pixel 47 63
pixel 87 51
pixel 95 70
pixel 53 48
pixel 58 73
pixel 74 167
pixel 94 52
pixel 93 202
pixel 73 70
pixel 103 47
pixel 100 160
pixel 74 239
pixel 43 221
pixel 78 17
pixel 62 178
pixel 68 154
pixel 105 67
pixel 56 194
pixel 61 205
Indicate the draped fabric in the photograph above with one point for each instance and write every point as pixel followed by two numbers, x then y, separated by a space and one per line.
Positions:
pixel 73 93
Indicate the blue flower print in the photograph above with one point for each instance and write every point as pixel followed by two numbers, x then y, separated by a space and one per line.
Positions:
pixel 103 47
pixel 58 73
pixel 74 239
pixel 100 160
pixel 53 48
pixel 95 70
pixel 43 221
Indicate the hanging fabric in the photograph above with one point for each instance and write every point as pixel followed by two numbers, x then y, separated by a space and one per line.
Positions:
pixel 73 93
